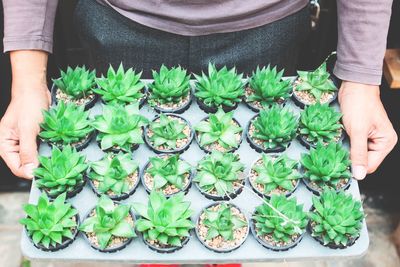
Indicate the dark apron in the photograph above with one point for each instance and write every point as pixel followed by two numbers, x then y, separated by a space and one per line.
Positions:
pixel 110 38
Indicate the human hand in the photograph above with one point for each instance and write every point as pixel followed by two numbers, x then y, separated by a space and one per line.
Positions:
pixel 371 133
pixel 20 124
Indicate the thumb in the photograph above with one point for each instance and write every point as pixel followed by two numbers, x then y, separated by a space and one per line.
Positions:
pixel 28 149
pixel 359 153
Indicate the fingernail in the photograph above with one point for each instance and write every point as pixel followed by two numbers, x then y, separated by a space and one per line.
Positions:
pixel 28 169
pixel 359 172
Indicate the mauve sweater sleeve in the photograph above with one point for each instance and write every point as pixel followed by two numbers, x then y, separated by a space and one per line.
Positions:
pixel 363 27
pixel 29 24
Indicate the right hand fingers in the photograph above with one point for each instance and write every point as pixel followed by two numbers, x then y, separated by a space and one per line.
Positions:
pixel 359 152
pixel 9 151
pixel 28 147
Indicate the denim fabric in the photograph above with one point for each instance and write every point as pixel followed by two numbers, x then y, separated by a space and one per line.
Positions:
pixel 111 38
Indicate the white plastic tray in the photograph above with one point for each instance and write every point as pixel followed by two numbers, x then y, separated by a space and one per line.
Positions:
pixel 194 252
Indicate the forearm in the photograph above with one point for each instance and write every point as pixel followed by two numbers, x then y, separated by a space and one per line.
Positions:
pixel 29 24
pixel 29 68
pixel 362 33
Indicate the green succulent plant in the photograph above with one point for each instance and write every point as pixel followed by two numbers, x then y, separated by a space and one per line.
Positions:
pixel 168 170
pixel 327 165
pixel 169 86
pixel 62 172
pixel 112 173
pixel 320 123
pixel 276 172
pixel 219 172
pixel 50 223
pixel 222 87
pixel 165 221
pixel 275 127
pixel 316 82
pixel 65 124
pixel 120 87
pixel 219 127
pixel 107 221
pixel 222 222
pixel 76 83
pixel 166 131
pixel 336 218
pixel 281 218
pixel 120 126
pixel 268 86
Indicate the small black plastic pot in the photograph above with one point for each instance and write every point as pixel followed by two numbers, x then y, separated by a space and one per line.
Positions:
pixel 78 147
pixel 185 190
pixel 142 101
pixel 165 250
pixel 262 194
pixel 54 99
pixel 233 149
pixel 303 140
pixel 213 109
pixel 116 197
pixel 257 147
pixel 113 249
pixel 70 194
pixel 178 110
pixel 65 242
pixel 169 151
pixel 215 249
pixel 220 198
pixel 329 245
pixel 270 246
pixel 302 105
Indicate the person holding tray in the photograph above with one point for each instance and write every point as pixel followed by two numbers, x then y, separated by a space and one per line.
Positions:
pixel 192 33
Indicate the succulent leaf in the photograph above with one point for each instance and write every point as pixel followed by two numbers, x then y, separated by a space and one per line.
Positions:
pixel 268 86
pixel 219 172
pixel 120 126
pixel 275 127
pixel 270 222
pixel 166 221
pixel 76 83
pixel 120 87
pixel 65 124
pixel 62 172
pixel 327 165
pixel 169 86
pixel 220 88
pixel 108 220
pixel 49 223
pixel 219 127
pixel 336 218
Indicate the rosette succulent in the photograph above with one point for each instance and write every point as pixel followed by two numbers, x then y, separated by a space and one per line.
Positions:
pixel 76 83
pixel 120 87
pixel 280 220
pixel 219 128
pixel 316 82
pixel 168 171
pixel 327 165
pixel 170 86
pixel 218 173
pixel 120 127
pixel 273 173
pixel 168 132
pixel 50 223
pixel 114 175
pixel 267 87
pixel 222 222
pixel 274 127
pixel 62 172
pixel 165 221
pixel 336 218
pixel 108 221
pixel 320 123
pixel 220 88
pixel 65 124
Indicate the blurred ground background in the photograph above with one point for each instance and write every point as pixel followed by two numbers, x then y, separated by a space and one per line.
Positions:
pixel 380 190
